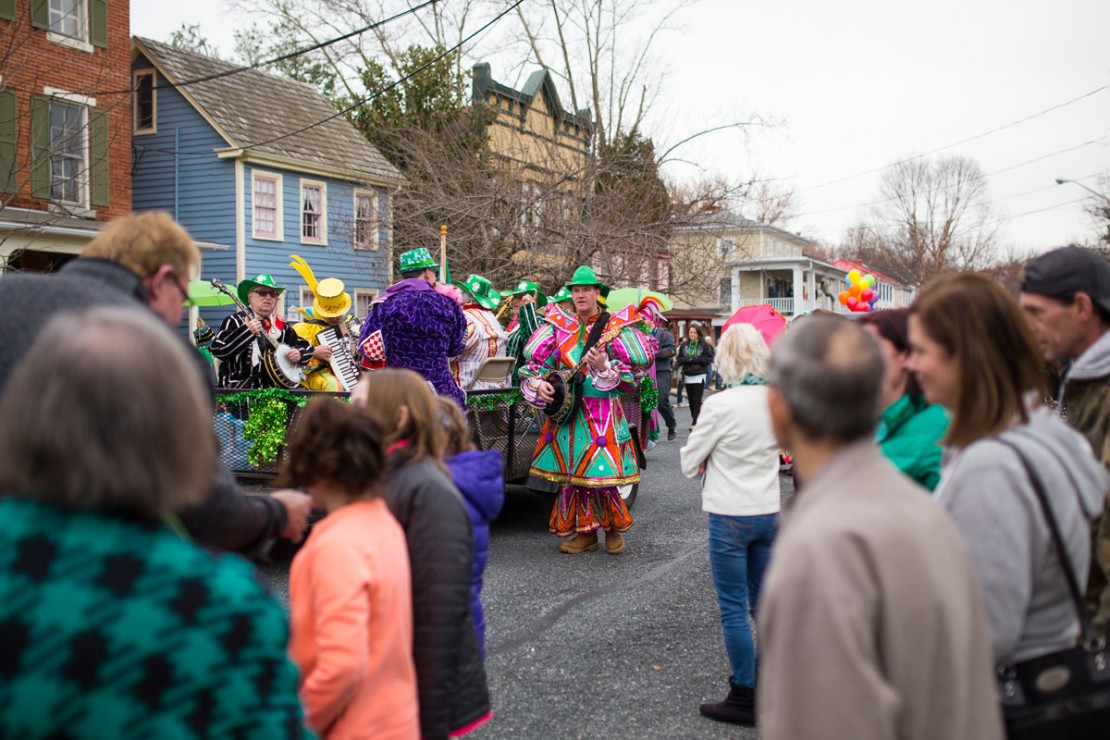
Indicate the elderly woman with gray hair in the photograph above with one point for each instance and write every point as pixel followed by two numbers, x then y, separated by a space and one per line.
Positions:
pixel 114 624
pixel 733 449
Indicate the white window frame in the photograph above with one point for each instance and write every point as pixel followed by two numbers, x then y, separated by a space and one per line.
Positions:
pixel 279 214
pixel 322 239
pixel 375 221
pixel 360 295
pixel 84 102
pixel 723 282
pixel 79 41
pixel 153 128
pixel 725 247
pixel 306 297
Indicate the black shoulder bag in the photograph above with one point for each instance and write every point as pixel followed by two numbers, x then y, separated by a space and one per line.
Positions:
pixel 1063 695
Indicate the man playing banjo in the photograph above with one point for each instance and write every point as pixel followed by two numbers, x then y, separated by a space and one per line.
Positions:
pixel 591 453
pixel 238 344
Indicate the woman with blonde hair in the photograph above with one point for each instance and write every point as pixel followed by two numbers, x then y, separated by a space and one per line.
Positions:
pixel 972 352
pixel 450 673
pixel 734 450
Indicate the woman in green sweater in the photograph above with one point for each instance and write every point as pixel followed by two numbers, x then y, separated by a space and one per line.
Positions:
pixel 910 428
pixel 111 623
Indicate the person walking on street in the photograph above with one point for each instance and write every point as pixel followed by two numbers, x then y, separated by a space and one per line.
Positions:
pixel 871 626
pixel 1066 298
pixel 587 456
pixel 663 377
pixel 735 453
pixel 693 359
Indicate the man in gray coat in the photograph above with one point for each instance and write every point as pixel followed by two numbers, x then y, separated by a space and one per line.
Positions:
pixel 663 377
pixel 144 262
pixel 871 623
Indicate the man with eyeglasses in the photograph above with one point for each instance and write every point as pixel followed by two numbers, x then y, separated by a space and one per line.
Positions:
pixel 236 345
pixel 145 261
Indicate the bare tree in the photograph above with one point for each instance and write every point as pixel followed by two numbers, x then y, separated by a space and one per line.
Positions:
pixel 935 218
pixel 1099 209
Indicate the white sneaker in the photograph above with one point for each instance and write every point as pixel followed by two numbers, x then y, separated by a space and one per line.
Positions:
pixel 650 445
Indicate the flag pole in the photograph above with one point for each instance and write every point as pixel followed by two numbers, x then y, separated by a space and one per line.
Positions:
pixel 443 253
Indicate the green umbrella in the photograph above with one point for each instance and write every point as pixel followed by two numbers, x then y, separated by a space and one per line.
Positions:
pixel 203 293
pixel 622 297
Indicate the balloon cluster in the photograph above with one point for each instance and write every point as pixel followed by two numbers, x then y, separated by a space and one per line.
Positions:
pixel 861 295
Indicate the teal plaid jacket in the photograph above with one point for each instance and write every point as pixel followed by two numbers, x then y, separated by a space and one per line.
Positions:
pixel 111 628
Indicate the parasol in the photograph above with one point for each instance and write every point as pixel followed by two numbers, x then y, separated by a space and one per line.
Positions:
pixel 769 322
pixel 203 293
pixel 622 297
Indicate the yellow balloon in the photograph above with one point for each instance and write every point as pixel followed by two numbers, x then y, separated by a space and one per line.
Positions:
pixel 853 277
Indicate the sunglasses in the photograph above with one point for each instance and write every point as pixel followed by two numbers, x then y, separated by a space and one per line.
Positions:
pixel 266 293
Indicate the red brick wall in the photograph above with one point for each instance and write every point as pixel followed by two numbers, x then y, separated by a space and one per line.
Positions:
pixel 29 64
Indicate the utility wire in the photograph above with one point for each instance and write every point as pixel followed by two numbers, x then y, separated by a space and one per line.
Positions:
pixel 958 143
pixel 273 60
pixel 358 103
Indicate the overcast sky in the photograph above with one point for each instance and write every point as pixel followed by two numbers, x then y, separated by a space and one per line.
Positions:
pixel 850 86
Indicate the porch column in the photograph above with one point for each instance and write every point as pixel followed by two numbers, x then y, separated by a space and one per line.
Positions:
pixel 735 297
pixel 797 307
pixel 812 283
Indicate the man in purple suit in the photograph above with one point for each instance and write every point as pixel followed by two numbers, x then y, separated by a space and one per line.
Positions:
pixel 412 325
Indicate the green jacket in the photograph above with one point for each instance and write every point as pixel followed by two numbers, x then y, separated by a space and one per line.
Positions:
pixel 117 628
pixel 909 435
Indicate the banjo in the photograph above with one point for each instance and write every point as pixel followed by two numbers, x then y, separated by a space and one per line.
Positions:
pixel 568 383
pixel 281 371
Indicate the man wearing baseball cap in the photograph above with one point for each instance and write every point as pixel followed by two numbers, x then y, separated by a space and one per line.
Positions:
pixel 1066 298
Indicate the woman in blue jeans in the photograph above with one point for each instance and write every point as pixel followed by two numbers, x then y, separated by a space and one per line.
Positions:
pixel 734 451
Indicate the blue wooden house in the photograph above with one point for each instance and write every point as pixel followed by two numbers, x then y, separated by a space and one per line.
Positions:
pixel 237 160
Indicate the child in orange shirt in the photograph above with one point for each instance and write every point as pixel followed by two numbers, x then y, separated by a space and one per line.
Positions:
pixel 349 586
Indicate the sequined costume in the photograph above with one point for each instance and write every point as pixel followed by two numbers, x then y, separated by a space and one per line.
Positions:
pixel 484 339
pixel 593 453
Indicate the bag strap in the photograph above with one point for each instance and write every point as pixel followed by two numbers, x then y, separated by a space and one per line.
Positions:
pixel 1086 628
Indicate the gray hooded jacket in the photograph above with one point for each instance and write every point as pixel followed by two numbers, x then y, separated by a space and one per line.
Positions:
pixel 989 496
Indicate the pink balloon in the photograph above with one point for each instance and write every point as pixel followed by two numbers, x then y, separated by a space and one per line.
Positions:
pixel 866 295
pixel 852 303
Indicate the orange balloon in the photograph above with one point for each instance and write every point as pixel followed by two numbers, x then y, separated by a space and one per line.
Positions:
pixel 843 297
pixel 853 290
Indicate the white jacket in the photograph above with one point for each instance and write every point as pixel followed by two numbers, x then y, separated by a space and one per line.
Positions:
pixel 734 434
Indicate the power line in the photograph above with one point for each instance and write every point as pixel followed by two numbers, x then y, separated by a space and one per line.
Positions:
pixel 358 103
pixel 273 60
pixel 958 143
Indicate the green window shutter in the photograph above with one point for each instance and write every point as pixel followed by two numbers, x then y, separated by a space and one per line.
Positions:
pixel 7 10
pixel 40 14
pixel 98 23
pixel 40 146
pixel 98 152
pixel 9 134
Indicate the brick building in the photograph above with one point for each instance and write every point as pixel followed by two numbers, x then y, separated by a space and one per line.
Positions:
pixel 65 126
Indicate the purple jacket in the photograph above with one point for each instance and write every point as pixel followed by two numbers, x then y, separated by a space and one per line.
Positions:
pixel 421 330
pixel 477 475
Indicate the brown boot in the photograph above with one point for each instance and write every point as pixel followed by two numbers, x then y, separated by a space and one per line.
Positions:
pixel 614 542
pixel 581 542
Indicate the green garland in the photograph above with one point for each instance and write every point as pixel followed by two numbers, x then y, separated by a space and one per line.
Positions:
pixel 491 401
pixel 649 394
pixel 267 419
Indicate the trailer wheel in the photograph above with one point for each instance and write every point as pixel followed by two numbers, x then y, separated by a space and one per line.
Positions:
pixel 628 493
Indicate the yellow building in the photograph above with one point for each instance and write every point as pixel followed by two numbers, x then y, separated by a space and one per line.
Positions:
pixel 722 261
pixel 542 154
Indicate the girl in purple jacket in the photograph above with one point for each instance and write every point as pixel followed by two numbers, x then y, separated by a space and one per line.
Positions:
pixel 478 477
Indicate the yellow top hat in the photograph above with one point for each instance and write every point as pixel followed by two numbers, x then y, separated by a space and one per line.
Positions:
pixel 332 299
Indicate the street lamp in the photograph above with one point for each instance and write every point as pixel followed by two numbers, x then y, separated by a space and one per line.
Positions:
pixel 1062 180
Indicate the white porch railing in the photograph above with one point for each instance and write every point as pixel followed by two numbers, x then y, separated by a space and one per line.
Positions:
pixel 785 306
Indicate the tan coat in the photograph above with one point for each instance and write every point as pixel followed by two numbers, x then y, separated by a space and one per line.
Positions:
pixel 871 624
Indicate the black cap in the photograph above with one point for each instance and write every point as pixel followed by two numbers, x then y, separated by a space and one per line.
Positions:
pixel 1064 272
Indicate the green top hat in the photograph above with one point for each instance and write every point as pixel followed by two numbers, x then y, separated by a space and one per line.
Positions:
pixel 482 290
pixel 527 286
pixel 417 260
pixel 259 281
pixel 585 275
pixel 563 294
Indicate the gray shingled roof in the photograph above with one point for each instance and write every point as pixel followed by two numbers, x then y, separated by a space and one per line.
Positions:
pixel 254 106
pixel 725 220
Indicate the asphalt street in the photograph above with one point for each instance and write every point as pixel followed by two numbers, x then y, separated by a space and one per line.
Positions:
pixel 599 645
